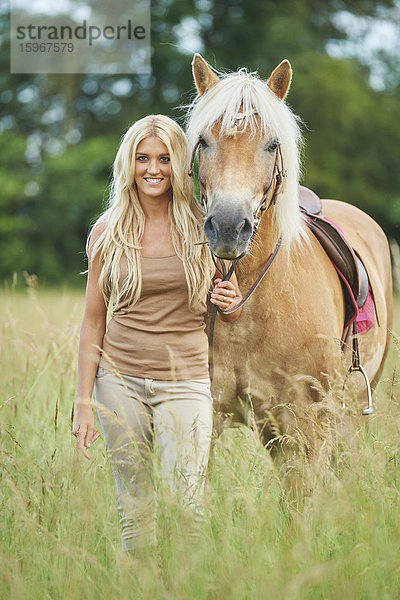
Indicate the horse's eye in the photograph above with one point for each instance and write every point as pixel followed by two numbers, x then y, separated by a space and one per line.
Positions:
pixel 273 146
pixel 202 143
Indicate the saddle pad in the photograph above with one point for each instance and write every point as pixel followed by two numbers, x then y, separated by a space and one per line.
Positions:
pixel 366 317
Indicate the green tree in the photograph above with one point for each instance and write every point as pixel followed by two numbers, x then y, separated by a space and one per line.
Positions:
pixel 16 219
pixel 73 189
pixel 44 218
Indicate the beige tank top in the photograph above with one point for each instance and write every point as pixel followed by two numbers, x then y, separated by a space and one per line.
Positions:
pixel 159 338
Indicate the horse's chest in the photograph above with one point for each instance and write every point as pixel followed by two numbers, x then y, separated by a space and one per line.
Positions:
pixel 260 333
pixel 244 352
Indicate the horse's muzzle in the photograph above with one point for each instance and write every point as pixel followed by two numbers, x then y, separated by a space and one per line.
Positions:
pixel 228 237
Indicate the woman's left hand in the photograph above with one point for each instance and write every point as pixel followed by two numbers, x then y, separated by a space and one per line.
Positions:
pixel 223 294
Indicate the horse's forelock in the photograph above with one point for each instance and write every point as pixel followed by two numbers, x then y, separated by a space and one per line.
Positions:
pixel 238 92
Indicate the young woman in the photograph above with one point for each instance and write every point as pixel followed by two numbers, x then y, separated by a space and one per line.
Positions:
pixel 149 370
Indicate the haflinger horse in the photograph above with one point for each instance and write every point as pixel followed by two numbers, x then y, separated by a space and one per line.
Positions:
pixel 279 362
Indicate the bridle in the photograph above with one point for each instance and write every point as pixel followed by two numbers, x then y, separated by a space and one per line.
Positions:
pixel 278 175
pixel 275 185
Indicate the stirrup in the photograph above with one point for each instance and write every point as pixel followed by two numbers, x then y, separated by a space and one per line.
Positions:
pixel 360 369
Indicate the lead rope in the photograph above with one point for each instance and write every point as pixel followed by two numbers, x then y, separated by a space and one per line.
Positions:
pixel 226 275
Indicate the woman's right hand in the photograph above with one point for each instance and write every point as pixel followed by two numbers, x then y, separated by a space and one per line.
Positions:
pixel 83 428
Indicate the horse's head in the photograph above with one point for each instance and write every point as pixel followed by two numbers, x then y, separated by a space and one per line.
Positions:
pixel 244 133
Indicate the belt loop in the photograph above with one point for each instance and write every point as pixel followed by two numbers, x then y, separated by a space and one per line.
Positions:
pixel 149 387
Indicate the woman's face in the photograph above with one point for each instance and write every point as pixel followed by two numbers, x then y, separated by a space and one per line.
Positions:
pixel 152 168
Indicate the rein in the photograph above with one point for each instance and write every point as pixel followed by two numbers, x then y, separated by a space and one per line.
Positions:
pixel 277 177
pixel 216 309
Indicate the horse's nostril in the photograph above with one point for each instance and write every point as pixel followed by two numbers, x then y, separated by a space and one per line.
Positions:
pixel 209 228
pixel 245 230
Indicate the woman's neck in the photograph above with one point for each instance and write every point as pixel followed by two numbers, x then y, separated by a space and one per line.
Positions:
pixel 156 239
pixel 155 209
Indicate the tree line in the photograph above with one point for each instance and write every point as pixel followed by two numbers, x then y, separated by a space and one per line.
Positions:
pixel 59 133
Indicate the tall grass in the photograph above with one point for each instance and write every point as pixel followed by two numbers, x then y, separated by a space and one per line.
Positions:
pixel 59 530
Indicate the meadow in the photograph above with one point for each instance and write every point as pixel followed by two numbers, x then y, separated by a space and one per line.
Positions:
pixel 59 530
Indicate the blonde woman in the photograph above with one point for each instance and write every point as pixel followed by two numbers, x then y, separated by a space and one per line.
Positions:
pixel 149 370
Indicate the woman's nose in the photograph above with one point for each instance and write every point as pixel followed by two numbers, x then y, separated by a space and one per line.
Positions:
pixel 152 166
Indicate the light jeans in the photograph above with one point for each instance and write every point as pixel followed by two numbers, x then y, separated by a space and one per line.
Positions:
pixel 145 418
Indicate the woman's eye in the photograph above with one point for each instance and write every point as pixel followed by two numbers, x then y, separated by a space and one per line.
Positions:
pixel 165 159
pixel 141 158
pixel 273 146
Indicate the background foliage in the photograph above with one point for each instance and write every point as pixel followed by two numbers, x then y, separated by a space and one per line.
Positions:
pixel 59 133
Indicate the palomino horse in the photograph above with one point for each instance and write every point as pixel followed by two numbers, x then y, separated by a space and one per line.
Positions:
pixel 278 361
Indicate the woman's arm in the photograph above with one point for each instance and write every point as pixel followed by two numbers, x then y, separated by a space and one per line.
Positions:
pixel 226 295
pixel 92 332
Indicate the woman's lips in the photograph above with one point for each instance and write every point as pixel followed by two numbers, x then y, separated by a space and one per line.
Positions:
pixel 153 180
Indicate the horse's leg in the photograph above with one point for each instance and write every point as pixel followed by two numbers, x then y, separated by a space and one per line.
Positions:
pixel 228 408
pixel 300 434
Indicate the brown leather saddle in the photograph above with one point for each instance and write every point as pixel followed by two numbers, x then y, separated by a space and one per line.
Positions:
pixel 353 276
pixel 351 270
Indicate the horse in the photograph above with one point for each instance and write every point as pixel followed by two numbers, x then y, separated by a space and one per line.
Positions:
pixel 277 364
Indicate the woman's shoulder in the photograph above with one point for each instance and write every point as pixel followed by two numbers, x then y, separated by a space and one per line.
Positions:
pixel 96 231
pixel 94 234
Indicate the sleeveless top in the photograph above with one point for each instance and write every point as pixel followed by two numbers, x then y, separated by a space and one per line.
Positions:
pixel 159 338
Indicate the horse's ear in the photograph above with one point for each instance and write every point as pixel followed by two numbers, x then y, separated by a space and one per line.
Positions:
pixel 280 79
pixel 204 77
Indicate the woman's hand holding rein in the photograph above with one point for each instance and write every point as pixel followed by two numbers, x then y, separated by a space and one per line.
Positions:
pixel 226 295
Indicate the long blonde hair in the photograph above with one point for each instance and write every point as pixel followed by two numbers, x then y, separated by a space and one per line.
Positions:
pixel 125 219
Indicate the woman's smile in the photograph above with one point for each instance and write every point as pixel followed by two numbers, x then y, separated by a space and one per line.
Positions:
pixel 153 180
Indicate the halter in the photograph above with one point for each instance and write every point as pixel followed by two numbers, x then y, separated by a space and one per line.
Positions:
pixel 277 178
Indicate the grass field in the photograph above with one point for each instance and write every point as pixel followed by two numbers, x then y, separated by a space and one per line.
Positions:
pixel 59 530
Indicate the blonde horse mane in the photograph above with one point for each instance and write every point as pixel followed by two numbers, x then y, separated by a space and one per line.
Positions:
pixel 246 94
